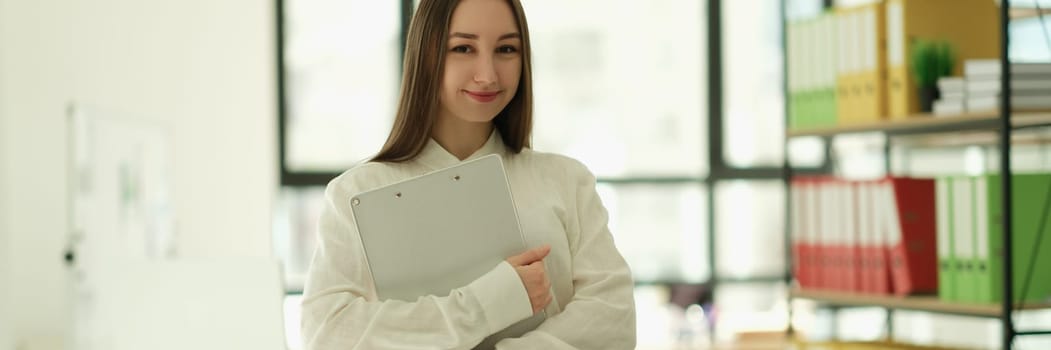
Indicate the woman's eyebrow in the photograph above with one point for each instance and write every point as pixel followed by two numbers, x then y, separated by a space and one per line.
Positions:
pixel 514 35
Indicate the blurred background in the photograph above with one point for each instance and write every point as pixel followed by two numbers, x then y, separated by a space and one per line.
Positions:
pixel 197 137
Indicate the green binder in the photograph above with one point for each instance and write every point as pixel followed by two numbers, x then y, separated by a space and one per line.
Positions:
pixel 1029 194
pixel 963 238
pixel 943 204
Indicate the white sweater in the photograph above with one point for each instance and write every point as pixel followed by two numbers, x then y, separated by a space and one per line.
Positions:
pixel 593 305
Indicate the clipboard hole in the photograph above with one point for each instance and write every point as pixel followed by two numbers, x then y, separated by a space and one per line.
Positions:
pixel 355 201
pixel 456 178
pixel 397 195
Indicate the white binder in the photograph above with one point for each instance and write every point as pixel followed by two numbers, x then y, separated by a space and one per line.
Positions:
pixel 440 231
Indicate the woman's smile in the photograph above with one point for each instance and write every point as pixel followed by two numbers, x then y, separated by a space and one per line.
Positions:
pixel 482 96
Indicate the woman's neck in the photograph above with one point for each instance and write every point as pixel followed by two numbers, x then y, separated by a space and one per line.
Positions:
pixel 459 137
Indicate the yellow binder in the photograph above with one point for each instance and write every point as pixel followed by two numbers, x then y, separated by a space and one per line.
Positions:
pixel 863 72
pixel 971 26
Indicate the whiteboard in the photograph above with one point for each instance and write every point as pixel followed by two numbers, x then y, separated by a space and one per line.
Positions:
pixel 121 206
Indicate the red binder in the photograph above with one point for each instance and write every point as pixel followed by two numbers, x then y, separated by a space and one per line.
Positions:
pixel 911 251
pixel 848 243
pixel 828 265
pixel 801 210
pixel 867 243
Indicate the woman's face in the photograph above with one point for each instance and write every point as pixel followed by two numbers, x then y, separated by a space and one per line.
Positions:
pixel 483 61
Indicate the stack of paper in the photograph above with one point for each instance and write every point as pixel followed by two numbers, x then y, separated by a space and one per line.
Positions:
pixel 1030 85
pixel 953 94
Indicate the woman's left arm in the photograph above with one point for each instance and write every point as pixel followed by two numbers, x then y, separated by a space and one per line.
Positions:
pixel 601 314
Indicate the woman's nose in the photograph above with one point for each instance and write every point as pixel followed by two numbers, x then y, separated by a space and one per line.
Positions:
pixel 485 70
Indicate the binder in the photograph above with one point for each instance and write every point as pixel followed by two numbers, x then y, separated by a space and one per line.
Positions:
pixel 828 240
pixel 862 79
pixel 847 68
pixel 881 280
pixel 871 245
pixel 946 282
pixel 800 250
pixel 809 73
pixel 827 51
pixel 911 227
pixel 872 77
pixel 963 238
pixel 811 219
pixel 1029 196
pixel 868 249
pixel 794 45
pixel 849 262
pixel 986 269
pixel 965 24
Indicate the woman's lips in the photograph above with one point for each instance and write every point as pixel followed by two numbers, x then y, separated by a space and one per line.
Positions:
pixel 482 96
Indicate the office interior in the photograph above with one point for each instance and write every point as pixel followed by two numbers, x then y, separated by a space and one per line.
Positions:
pixel 201 135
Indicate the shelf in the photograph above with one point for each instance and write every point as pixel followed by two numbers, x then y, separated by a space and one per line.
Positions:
pixel 1017 13
pixel 926 124
pixel 914 303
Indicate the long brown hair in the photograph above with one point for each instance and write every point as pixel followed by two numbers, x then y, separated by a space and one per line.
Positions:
pixel 423 70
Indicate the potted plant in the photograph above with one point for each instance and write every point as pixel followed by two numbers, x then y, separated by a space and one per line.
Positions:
pixel 931 59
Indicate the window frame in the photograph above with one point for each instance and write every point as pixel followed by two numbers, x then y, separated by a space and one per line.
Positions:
pixel 718 168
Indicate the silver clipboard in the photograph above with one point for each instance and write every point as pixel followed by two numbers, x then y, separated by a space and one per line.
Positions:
pixel 440 231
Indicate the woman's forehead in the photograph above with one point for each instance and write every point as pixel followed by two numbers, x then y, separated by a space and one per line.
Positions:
pixel 483 18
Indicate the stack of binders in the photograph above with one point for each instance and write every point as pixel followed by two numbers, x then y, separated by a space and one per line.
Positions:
pixel 874 237
pixel 852 65
pixel 970 239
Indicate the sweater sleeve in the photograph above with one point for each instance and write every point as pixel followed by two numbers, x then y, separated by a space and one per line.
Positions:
pixel 342 311
pixel 601 313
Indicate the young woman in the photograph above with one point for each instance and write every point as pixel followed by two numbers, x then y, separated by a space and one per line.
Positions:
pixel 466 93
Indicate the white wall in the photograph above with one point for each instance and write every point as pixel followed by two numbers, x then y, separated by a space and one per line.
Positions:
pixel 6 341
pixel 204 67
pixel 5 323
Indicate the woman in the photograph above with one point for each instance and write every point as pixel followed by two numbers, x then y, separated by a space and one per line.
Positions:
pixel 466 93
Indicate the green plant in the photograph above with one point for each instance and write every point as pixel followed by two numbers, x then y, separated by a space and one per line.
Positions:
pixel 931 59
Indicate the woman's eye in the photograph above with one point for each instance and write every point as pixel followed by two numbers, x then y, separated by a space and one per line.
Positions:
pixel 507 49
pixel 461 49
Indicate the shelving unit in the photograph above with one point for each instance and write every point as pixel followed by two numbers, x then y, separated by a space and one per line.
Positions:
pixel 1002 123
pixel 926 124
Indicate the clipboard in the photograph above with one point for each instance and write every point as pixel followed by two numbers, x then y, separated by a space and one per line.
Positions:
pixel 440 231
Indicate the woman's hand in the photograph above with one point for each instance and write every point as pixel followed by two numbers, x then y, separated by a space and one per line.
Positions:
pixel 530 268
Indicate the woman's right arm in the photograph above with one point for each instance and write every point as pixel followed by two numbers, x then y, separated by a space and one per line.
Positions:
pixel 341 310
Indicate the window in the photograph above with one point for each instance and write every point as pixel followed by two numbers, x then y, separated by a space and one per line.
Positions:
pixel 622 89
pixel 341 78
pixel 753 96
